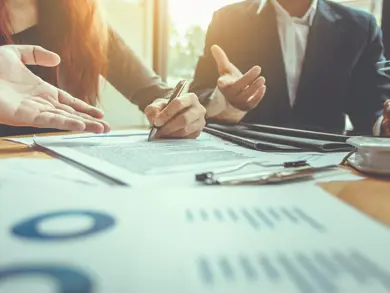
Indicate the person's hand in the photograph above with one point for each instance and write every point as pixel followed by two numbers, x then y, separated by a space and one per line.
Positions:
pixel 27 100
pixel 386 118
pixel 242 91
pixel 184 117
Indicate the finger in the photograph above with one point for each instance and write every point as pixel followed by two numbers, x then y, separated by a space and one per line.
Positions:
pixel 45 99
pixel 190 131
pixel 43 102
pixel 58 121
pixel 386 109
pixel 243 82
pixel 175 107
pixel 91 122
pixel 78 105
pixel 231 86
pixel 91 125
pixel 193 135
pixel 226 81
pixel 222 60
pixel 386 127
pixel 151 114
pixel 241 101
pixel 63 107
pixel 181 121
pixel 154 109
pixel 36 55
pixel 250 90
pixel 256 98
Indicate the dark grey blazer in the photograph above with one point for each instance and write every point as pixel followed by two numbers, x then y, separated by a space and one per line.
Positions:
pixel 339 74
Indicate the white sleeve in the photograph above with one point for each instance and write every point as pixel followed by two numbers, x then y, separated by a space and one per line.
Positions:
pixel 378 126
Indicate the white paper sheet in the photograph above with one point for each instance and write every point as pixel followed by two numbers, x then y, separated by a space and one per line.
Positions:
pixel 82 136
pixel 135 161
pixel 273 239
pixel 19 170
pixel 127 157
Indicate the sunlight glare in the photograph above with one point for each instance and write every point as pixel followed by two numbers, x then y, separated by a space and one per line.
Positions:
pixel 185 13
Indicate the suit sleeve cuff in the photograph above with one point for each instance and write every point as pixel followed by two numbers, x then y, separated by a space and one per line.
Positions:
pixel 216 105
pixel 377 129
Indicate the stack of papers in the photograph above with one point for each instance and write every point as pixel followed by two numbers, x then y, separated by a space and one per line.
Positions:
pixel 166 234
pixel 21 170
pixel 273 239
pixel 127 157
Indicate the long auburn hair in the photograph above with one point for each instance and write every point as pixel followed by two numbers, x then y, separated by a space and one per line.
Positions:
pixel 75 30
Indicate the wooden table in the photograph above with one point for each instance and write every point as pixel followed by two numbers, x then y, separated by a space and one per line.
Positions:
pixel 372 196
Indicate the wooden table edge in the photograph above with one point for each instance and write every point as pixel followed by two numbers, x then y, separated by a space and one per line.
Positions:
pixel 369 195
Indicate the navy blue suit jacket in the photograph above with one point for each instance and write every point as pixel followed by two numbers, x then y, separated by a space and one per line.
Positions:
pixel 339 75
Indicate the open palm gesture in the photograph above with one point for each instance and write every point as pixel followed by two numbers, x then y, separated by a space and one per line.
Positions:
pixel 27 100
pixel 242 91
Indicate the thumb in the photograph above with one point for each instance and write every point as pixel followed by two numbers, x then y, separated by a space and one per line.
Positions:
pixel 36 55
pixel 221 59
pixel 153 110
pixel 225 81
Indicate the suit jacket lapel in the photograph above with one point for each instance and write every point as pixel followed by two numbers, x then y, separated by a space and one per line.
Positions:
pixel 323 42
pixel 267 50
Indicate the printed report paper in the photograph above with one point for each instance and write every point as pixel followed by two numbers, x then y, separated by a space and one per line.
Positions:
pixel 21 170
pixel 134 161
pixel 246 239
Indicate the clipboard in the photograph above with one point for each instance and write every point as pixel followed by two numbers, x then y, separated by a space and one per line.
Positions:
pixel 290 172
pixel 264 138
pixel 297 132
pixel 252 143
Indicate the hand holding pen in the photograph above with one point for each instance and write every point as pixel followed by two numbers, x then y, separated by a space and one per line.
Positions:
pixel 180 116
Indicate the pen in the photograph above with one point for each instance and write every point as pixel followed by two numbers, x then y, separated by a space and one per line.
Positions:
pixel 177 91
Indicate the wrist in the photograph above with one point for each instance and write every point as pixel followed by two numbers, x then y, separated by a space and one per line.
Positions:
pixel 385 130
pixel 216 104
pixel 219 108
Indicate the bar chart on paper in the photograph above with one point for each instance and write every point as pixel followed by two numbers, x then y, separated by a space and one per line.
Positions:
pixel 257 218
pixel 308 272
pixel 280 244
pixel 195 240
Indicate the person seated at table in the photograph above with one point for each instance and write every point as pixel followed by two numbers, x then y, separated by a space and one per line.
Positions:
pixel 319 58
pixel 89 48
pixel 24 104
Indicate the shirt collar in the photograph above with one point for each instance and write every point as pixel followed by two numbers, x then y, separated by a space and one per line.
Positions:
pixel 307 18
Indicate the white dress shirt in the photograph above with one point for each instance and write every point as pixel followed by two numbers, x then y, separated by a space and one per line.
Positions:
pixel 293 35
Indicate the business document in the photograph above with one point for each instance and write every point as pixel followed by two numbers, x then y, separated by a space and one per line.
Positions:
pixel 21 170
pixel 131 159
pixel 209 240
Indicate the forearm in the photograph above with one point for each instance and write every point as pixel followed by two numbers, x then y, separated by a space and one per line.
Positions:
pixel 130 76
pixel 147 95
pixel 377 129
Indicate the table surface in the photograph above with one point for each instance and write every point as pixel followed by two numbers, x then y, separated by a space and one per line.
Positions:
pixel 371 195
